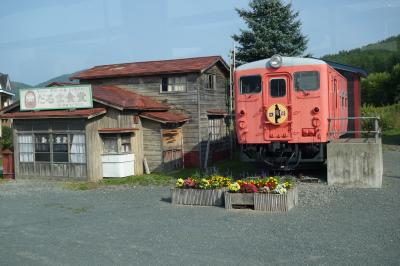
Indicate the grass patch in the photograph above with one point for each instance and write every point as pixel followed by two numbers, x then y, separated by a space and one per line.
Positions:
pixel 80 185
pixel 141 180
pixel 234 168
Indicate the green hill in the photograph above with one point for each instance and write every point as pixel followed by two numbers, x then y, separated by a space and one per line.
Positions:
pixel 62 78
pixel 382 62
pixel 16 86
pixel 375 57
pixel 19 85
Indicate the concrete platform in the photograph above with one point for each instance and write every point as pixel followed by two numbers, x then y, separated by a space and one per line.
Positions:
pixel 355 163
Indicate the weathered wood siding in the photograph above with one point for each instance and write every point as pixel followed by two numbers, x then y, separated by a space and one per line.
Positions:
pixel 112 119
pixel 195 101
pixel 151 86
pixel 216 98
pixel 202 197
pixel 152 144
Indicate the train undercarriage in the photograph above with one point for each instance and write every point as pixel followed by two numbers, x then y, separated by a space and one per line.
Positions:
pixel 285 156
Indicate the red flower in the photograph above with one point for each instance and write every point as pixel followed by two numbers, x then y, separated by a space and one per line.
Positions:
pixel 189 183
pixel 248 188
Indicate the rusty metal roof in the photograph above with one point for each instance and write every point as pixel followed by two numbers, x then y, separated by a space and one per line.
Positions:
pixel 60 84
pixel 217 112
pixel 176 66
pixel 80 113
pixel 124 99
pixel 117 130
pixel 165 117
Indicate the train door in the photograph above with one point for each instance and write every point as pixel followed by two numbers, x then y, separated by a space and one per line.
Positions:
pixel 277 105
pixel 333 105
pixel 336 106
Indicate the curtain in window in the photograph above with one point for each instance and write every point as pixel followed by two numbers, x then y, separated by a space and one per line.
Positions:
pixel 110 145
pixel 26 147
pixel 177 83
pixel 78 149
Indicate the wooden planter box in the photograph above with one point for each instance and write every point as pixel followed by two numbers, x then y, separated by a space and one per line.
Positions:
pixel 202 197
pixel 263 201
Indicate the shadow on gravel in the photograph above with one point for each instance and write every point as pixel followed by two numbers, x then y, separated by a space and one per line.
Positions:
pixel 314 171
pixel 166 199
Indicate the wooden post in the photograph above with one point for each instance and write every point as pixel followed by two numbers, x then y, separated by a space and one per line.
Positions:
pixel 146 166
pixel 207 150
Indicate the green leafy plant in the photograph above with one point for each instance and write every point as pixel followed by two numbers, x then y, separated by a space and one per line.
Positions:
pixel 6 141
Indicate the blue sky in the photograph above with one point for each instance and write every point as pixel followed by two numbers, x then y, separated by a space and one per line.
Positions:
pixel 42 39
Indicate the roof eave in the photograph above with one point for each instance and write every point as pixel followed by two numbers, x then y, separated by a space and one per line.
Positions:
pixel 164 121
pixel 7 92
pixel 161 73
pixel 215 62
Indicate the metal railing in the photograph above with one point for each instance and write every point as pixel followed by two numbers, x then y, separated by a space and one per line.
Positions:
pixel 376 128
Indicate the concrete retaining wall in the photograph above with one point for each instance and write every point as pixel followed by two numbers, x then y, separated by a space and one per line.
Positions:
pixel 355 163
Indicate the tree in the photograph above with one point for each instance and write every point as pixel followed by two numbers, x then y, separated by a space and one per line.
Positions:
pixel 273 28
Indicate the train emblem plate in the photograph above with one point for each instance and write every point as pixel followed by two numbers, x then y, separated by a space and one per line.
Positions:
pixel 277 113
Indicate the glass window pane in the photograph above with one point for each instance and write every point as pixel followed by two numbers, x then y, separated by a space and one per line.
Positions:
pixel 42 143
pixel 277 87
pixel 60 147
pixel 306 80
pixel 26 147
pixel 78 158
pixel 110 145
pixel 42 156
pixel 60 157
pixel 250 84
pixel 60 143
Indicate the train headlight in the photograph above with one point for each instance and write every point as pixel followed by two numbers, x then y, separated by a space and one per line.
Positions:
pixel 275 61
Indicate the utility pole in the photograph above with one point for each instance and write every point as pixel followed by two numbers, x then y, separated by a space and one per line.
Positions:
pixel 231 88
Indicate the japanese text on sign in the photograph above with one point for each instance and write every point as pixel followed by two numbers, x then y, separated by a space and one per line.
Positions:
pixel 68 97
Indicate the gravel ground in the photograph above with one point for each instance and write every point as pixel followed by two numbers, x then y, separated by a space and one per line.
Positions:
pixel 44 224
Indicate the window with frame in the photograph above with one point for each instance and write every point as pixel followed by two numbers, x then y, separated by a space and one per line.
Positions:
pixel 174 84
pixel 306 80
pixel 42 147
pixel 110 144
pixel 210 81
pixel 60 148
pixel 77 148
pixel 26 148
pixel 277 87
pixel 117 143
pixel 125 143
pixel 250 84
pixel 216 127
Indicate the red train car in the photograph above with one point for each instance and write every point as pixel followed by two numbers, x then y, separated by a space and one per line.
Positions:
pixel 282 107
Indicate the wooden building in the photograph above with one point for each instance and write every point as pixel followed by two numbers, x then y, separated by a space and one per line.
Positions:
pixel 6 95
pixel 161 114
pixel 110 139
pixel 195 86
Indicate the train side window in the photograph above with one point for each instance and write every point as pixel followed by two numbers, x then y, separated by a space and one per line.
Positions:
pixel 306 80
pixel 250 84
pixel 277 87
